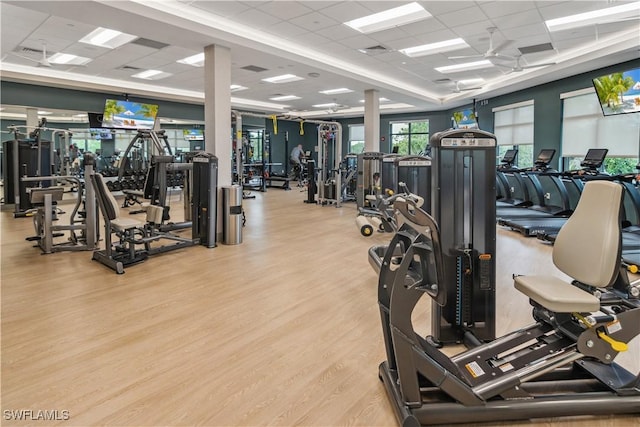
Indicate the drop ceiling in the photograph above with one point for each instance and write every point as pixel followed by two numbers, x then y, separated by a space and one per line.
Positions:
pixel 307 39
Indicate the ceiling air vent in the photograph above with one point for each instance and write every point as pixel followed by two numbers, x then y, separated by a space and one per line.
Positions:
pixel 149 43
pixel 24 49
pixel 535 48
pixel 254 68
pixel 128 68
pixel 442 81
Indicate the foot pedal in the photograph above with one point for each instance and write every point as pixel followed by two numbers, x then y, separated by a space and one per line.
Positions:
pixel 57 235
pixel 32 238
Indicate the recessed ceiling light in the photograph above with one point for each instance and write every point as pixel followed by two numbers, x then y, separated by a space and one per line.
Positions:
pixel 379 100
pixel 471 81
pixel 237 88
pixel 151 75
pixel 193 60
pixel 336 91
pixel 67 58
pixel 260 104
pixel 464 67
pixel 610 14
pixel 438 47
pixel 284 78
pixel 285 98
pixel 105 37
pixel 329 104
pixel 390 18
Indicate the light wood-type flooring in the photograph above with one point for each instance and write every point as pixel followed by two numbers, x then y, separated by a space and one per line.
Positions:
pixel 282 329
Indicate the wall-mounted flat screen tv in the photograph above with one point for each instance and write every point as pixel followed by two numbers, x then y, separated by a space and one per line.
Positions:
pixel 193 134
pixel 619 93
pixel 465 119
pixel 129 115
pixel 101 134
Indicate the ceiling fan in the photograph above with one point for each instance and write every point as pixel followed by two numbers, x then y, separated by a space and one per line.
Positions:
pixel 518 67
pixel 492 52
pixel 336 107
pixel 43 61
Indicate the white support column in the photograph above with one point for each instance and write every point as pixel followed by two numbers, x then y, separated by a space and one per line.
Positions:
pixel 32 117
pixel 217 115
pixel 371 120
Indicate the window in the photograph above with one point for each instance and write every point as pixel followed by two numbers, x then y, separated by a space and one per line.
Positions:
pixel 513 128
pixel 584 127
pixel 411 138
pixel 356 139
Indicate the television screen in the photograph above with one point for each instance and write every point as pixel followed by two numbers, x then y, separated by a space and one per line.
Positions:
pixel 101 134
pixel 465 119
pixel 193 134
pixel 619 93
pixel 128 115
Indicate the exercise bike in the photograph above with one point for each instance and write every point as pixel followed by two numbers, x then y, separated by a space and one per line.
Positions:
pixel 561 365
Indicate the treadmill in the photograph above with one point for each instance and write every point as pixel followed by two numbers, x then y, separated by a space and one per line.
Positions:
pixel 505 192
pixel 547 194
pixel 573 182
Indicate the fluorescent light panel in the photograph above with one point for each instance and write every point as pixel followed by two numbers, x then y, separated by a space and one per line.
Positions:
pixel 237 88
pixel 390 18
pixel 151 75
pixel 105 37
pixel 260 104
pixel 67 58
pixel 600 16
pixel 465 67
pixel 432 48
pixel 284 78
pixel 336 91
pixel 44 113
pixel 285 98
pixel 379 100
pixel 193 60
pixel 327 105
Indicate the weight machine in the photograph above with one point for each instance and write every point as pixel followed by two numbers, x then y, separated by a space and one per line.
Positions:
pixel 369 163
pixel 27 157
pixel 44 213
pixel 561 365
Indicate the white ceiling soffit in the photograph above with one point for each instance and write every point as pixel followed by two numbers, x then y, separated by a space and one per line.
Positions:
pixel 192 19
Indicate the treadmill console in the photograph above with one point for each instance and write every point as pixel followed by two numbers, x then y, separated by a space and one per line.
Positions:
pixel 594 158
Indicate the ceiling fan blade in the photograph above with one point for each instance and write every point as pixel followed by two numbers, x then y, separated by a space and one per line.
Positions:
pixel 501 46
pixel 465 56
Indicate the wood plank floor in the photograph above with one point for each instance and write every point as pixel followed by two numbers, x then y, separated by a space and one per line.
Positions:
pixel 281 330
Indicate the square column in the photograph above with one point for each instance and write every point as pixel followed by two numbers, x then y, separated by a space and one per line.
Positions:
pixel 371 121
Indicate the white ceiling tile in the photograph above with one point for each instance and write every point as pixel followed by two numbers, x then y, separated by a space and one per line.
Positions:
pixel 497 9
pixel 462 17
pixel 346 11
pixel 222 8
pixel 286 30
pixel 525 32
pixel 520 19
pixel 256 19
pixel 320 4
pixel 313 21
pixel 470 30
pixel 389 35
pixel 423 27
pixel 285 10
pixel 359 42
pixel 337 32
pixel 441 7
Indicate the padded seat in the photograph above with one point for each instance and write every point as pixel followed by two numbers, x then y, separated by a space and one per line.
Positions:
pixel 122 223
pixel 556 295
pixel 587 249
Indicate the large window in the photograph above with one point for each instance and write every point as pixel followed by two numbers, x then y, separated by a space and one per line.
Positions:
pixel 410 137
pixel 356 139
pixel 513 128
pixel 584 127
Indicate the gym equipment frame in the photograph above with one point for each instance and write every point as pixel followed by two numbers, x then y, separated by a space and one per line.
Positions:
pixel 561 365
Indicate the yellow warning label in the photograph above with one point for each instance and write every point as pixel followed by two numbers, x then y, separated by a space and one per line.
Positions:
pixel 474 369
